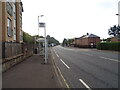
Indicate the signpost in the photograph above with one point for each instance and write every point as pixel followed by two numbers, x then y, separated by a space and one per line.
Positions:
pixel 43 25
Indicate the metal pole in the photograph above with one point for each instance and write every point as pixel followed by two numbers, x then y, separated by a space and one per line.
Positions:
pixel 38 25
pixel 45 44
pixel 43 48
pixel 38 36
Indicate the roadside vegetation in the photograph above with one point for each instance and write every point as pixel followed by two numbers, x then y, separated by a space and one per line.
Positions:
pixel 67 42
pixel 27 38
pixel 107 44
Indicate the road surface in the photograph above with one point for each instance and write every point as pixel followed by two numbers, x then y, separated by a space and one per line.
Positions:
pixel 87 68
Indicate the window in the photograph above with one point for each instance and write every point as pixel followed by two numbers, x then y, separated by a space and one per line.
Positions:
pixel 9 27
pixel 14 23
pixel 20 21
pixel 14 10
pixel 14 33
pixel 9 8
pixel 21 35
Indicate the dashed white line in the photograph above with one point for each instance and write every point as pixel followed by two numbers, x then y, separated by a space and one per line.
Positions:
pixel 64 63
pixel 57 55
pixel 55 52
pixel 109 59
pixel 85 84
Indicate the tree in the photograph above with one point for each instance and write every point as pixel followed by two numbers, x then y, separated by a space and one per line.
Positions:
pixel 70 41
pixel 115 30
pixel 48 39
pixel 52 40
pixel 27 38
pixel 65 42
pixel 106 40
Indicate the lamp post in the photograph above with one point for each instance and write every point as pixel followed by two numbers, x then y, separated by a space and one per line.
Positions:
pixel 39 33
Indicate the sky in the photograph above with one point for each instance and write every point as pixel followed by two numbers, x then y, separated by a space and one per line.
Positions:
pixel 70 18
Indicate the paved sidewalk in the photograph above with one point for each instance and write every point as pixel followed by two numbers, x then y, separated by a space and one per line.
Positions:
pixel 31 73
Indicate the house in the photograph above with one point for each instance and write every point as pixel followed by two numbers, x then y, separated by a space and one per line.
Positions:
pixel 11 21
pixel 87 41
pixel 115 38
pixel 76 42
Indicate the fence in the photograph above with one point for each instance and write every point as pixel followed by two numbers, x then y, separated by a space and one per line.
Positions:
pixel 11 49
pixel 13 53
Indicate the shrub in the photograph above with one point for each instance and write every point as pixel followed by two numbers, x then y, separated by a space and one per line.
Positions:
pixel 109 46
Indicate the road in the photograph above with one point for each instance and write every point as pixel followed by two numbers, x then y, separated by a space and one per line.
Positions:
pixel 87 68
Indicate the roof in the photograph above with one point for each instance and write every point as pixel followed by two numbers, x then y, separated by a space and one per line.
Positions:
pixel 90 35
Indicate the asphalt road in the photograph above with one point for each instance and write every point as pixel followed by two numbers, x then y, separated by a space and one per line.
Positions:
pixel 87 68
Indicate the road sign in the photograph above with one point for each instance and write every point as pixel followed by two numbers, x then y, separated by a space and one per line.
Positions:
pixel 41 24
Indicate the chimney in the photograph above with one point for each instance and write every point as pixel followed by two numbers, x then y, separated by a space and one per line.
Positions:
pixel 87 33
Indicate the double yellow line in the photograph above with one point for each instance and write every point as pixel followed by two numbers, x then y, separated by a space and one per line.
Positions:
pixel 56 67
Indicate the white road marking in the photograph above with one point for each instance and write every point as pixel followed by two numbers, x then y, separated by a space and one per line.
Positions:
pixel 109 59
pixel 85 84
pixel 55 52
pixel 57 55
pixel 64 63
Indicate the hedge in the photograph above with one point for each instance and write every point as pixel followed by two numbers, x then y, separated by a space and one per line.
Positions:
pixel 109 46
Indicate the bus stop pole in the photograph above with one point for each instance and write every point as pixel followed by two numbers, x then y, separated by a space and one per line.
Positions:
pixel 45 44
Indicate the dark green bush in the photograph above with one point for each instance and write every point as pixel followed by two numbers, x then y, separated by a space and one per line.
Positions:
pixel 109 46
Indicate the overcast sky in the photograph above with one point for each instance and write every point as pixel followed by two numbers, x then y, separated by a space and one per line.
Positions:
pixel 70 18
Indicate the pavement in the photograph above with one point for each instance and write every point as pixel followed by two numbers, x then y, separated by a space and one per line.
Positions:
pixel 33 73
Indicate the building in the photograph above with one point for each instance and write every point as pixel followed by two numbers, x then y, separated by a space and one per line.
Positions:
pixel 11 25
pixel 76 42
pixel 11 35
pixel 87 41
pixel 115 38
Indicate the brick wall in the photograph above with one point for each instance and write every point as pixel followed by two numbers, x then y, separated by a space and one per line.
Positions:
pixel 0 31
pixel 94 40
pixel 0 21
pixel 86 42
pixel 115 39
